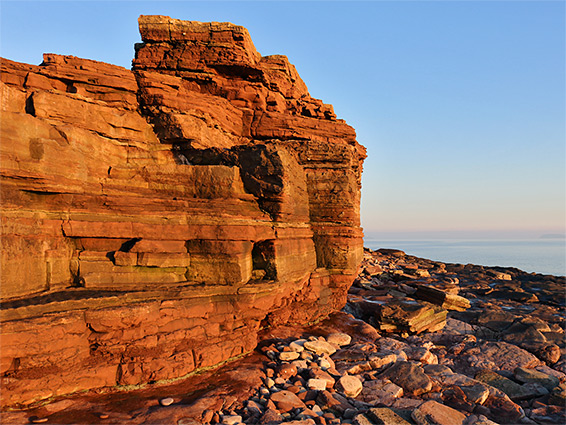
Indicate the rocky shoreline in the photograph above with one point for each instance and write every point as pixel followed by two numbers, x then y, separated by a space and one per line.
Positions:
pixel 419 342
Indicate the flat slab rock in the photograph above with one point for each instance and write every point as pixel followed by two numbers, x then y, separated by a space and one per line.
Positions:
pixel 434 413
pixel 319 347
pixel 385 416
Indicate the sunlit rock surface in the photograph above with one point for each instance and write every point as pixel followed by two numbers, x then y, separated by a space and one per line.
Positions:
pixel 154 220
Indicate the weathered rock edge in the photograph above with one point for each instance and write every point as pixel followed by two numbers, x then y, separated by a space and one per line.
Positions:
pixel 154 220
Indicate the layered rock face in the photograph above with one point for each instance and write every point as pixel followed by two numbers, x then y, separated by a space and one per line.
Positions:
pixel 155 219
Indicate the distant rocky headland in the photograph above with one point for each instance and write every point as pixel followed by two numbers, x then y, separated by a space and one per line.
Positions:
pixel 181 244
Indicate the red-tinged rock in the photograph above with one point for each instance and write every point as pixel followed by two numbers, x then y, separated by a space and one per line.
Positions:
pixel 332 401
pixel 286 401
pixel 503 410
pixel 549 414
pixel 158 185
pixel 456 398
pixel 434 413
pixel 410 377
pixel 316 373
pixel 271 416
pixel 287 371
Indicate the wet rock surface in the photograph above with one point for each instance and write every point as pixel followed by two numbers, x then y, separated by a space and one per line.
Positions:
pixel 345 371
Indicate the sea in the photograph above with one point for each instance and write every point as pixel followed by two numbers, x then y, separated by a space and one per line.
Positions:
pixel 546 256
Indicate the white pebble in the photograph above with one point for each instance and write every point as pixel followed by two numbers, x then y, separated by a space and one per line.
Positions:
pixel 166 401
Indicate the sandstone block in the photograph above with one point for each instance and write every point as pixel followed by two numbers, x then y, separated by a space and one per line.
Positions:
pixel 434 413
pixel 350 386
pixel 319 347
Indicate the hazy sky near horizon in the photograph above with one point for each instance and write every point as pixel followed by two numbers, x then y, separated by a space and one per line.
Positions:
pixel 461 104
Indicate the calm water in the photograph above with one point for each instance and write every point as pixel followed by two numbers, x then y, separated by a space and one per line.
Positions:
pixel 546 256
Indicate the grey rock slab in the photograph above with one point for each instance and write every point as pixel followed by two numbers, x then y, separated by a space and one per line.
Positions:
pixel 528 376
pixel 385 416
pixel 512 389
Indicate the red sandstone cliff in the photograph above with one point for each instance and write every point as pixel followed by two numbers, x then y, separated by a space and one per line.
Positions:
pixel 154 220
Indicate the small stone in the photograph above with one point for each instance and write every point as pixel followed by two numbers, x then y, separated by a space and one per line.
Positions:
pixel 286 371
pixel 231 419
pixel 339 339
pixel 286 401
pixel 316 384
pixel 306 355
pixel 289 356
pixel 350 386
pixel 380 360
pixel 294 389
pixel 300 365
pixel 36 420
pixel 305 414
pixel 349 413
pixel 166 401
pixel 321 374
pixel 103 416
pixel 421 354
pixel 254 408
pixel 320 347
pixel 297 345
pixel 271 416
pixel 269 382
pixel 324 363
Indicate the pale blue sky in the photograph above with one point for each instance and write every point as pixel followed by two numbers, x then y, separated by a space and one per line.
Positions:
pixel 461 104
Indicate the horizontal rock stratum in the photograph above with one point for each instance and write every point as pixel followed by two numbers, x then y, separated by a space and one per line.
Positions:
pixel 154 219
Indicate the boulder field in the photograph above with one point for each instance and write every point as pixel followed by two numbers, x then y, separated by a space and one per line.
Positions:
pixel 154 220
pixel 488 359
